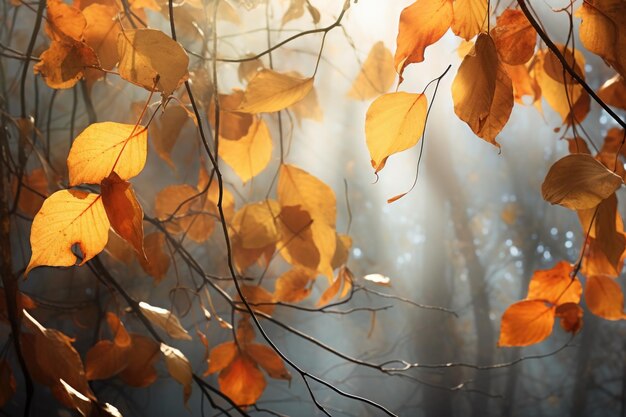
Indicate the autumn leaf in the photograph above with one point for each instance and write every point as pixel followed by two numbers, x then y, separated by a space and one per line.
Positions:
pixel 164 319
pixel 66 218
pixel 578 181
pixel 270 91
pixel 254 295
pixel 421 24
pixel 106 147
pixel 157 261
pixel 526 322
pixel 64 21
pixel 293 285
pixel 165 130
pixel 249 155
pixel 101 32
pixel 482 91
pixel 107 358
pixel 123 210
pixel 376 76
pixel 256 224
pixel 148 55
pixel 470 18
pixel 343 280
pixel 63 64
pixel 8 386
pixel 394 122
pixel 571 315
pixel 297 245
pixel 33 191
pixel 308 108
pixel 602 31
pixel 524 84
pixel 604 297
pixel 242 381
pixel 613 92
pixel 221 356
pixel 234 124
pixel 342 251
pixel 143 354
pixel 514 37
pixel 555 285
pixel 179 368
pixel 269 360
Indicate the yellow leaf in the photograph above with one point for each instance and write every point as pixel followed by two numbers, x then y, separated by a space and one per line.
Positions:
pixel 255 224
pixel 165 130
pixel 308 108
pixel 66 218
pixel 526 323
pixel 270 91
pixel 291 287
pixel 578 182
pixel 482 91
pixel 179 368
pixel 298 187
pixel 514 36
pixel 376 76
pixel 421 24
pixel 249 155
pixel 330 292
pixel 234 125
pixel 106 147
pixel 297 245
pixel 394 122
pixel 165 319
pixel 101 33
pixel 470 18
pixel 64 63
pixel 148 54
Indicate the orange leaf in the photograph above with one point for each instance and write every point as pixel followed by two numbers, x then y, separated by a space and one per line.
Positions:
pixel 258 295
pixel 165 130
pixel 514 36
pixel 578 181
pixel 255 224
pixel 123 210
pixel 297 245
pixel 269 360
pixel 421 24
pixel 242 381
pixel 108 358
pixel 613 92
pixel 157 262
pixel 571 315
pixel 143 354
pixel 64 63
pixel 394 122
pixel 250 154
pixel 376 76
pixel 106 147
pixel 525 323
pixel 101 33
pixel 270 91
pixel 33 192
pixel 604 297
pixel 555 285
pixel 221 356
pixel 68 217
pixel 291 287
pixel 482 91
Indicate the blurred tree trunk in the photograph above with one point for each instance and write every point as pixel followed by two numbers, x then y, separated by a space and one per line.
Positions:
pixel 579 395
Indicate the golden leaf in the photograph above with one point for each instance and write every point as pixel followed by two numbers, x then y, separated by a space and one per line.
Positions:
pixel 270 91
pixel 376 76
pixel 164 319
pixel 249 155
pixel 526 322
pixel 470 18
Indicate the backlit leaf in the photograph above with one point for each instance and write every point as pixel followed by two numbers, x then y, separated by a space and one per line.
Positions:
pixel 256 224
pixel 255 294
pixel 108 358
pixel 249 155
pixel 179 368
pixel 157 261
pixel 101 33
pixel 221 356
pixel 123 210
pixel 148 54
pixel 269 360
pixel 571 315
pixel 165 130
pixel 482 91
pixel 578 181
pixel 63 64
pixel 421 24
pixel 526 322
pixel 144 352
pixel 270 91
pixel 293 285
pixel 555 285
pixel 604 297
pixel 470 18
pixel 106 147
pixel 164 319
pixel 613 92
pixel 242 381
pixel 68 217
pixel 514 37
pixel 376 76
pixel 394 122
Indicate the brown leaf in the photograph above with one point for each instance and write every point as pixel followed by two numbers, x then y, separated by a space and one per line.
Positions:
pixel 613 92
pixel 482 91
pixel 578 181
pixel 514 37
pixel 269 360
pixel 179 368
pixel 157 262
pixel 164 319
pixel 124 211
pixel 259 295
pixel 571 315
pixel 143 354
pixel 8 386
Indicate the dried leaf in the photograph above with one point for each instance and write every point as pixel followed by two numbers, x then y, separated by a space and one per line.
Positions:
pixel 613 92
pixel 470 18
pixel 157 262
pixel 179 368
pixel 292 286
pixel 269 360
pixel 256 224
pixel 571 315
pixel 578 181
pixel 164 319
pixel 514 37
pixel 143 354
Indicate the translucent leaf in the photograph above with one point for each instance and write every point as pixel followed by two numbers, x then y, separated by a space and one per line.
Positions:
pixel 514 37
pixel 249 155
pixel 604 297
pixel 376 76
pixel 526 322
pixel 578 181
pixel 106 147
pixel 470 18
pixel 269 360
pixel 164 319
pixel 394 122
pixel 179 368
pixel 555 285
pixel 270 91
pixel 68 217
pixel 292 286
pixel 242 381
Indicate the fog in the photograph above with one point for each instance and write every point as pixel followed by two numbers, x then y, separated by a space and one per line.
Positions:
pixel 459 248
